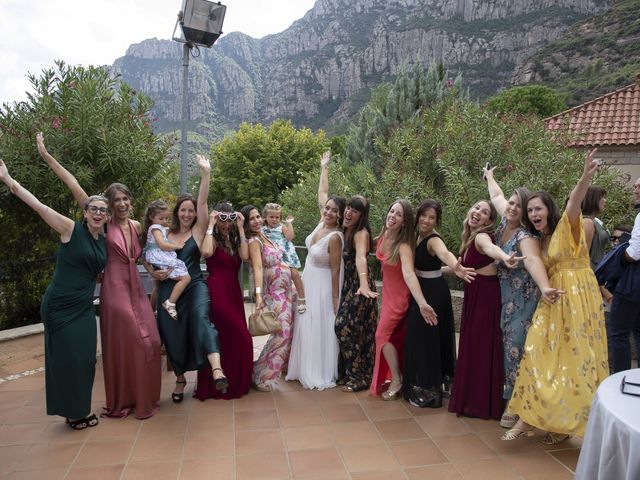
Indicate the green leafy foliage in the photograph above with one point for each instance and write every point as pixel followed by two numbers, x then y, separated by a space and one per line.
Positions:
pixel 256 163
pixel 528 100
pixel 100 130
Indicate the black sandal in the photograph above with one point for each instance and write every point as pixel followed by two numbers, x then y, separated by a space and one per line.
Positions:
pixel 221 383
pixel 82 423
pixel 177 397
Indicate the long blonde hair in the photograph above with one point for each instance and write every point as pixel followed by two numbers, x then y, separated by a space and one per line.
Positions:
pixel 469 235
pixel 406 232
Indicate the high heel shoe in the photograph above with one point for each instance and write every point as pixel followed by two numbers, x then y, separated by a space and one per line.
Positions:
pixel 552 438
pixel 392 393
pixel 514 433
pixel 177 397
pixel 425 398
pixel 221 383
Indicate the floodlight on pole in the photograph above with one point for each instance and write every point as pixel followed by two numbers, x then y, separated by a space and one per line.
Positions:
pixel 201 25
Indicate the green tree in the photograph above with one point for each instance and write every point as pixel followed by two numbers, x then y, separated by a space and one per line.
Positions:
pixel 100 130
pixel 526 100
pixel 256 163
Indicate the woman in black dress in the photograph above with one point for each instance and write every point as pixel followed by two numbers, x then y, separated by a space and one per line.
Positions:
pixel 430 352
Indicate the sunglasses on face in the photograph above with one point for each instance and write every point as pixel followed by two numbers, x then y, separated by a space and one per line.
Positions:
pixel 613 238
pixel 227 217
pixel 101 210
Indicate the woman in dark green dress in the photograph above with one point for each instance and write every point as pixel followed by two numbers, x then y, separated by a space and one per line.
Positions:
pixel 192 341
pixel 67 306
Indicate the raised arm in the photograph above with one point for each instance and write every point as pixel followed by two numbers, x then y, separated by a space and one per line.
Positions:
pixel 62 173
pixel 335 260
pixel 244 245
pixel 202 209
pixel 530 248
pixel 60 223
pixel 580 190
pixel 361 242
pixel 409 275
pixel 209 243
pixel 323 188
pixel 436 246
pixel 287 228
pixel 495 192
pixel 487 247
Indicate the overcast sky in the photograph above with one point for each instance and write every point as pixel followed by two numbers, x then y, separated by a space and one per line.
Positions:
pixel 34 33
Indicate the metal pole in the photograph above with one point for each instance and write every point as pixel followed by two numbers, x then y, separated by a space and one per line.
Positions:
pixel 184 162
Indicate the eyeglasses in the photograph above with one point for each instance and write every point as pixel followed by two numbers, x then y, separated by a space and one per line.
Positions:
pixel 101 210
pixel 613 238
pixel 624 383
pixel 227 217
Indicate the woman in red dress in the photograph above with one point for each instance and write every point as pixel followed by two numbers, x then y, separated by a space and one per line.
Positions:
pixel 395 248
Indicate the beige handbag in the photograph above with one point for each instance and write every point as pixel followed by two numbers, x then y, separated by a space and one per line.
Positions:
pixel 263 322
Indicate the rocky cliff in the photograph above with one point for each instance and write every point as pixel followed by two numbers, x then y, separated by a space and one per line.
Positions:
pixel 321 70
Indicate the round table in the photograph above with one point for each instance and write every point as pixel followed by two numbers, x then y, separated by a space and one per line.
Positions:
pixel 611 446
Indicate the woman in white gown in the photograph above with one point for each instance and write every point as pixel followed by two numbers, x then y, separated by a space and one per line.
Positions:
pixel 314 351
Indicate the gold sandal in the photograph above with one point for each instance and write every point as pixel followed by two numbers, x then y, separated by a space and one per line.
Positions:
pixel 515 433
pixel 392 393
pixel 551 438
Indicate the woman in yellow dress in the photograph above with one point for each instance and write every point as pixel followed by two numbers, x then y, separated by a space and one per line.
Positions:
pixel 565 355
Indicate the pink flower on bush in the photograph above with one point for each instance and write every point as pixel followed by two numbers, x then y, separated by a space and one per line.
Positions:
pixel 56 122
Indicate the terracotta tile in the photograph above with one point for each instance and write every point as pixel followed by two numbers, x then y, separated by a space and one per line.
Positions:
pixel 256 420
pixel 167 407
pixel 291 386
pixel 537 466
pixel 301 438
pixel 423 412
pixel 13 398
pixel 164 425
pixel 221 468
pixel 262 467
pixel 155 448
pixel 572 442
pixel 316 462
pixel 300 416
pixel 259 441
pixel 415 453
pixel 205 424
pixel 219 444
pixel 362 458
pixel 21 434
pixel 116 427
pixel 480 425
pixel 48 455
pixel 443 424
pixel 102 472
pixel 502 447
pixel 569 457
pixel 355 433
pixel 464 448
pixel 210 407
pixel 338 413
pixel 295 399
pixel 60 432
pixel 378 411
pixel 9 455
pixel 107 451
pixel 384 475
pixel 30 383
pixel 152 471
pixel 335 396
pixel 254 402
pixel 440 472
pixel 5 412
pixel 401 429
pixel 44 473
pixel 492 469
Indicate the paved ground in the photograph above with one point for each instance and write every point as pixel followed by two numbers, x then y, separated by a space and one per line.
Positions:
pixel 290 433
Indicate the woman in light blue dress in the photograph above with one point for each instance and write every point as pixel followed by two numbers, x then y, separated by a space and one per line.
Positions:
pixel 518 288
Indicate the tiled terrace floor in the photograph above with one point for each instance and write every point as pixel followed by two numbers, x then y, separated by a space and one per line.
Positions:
pixel 288 433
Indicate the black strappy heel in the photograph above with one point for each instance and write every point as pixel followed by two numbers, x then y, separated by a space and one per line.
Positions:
pixel 177 397
pixel 221 383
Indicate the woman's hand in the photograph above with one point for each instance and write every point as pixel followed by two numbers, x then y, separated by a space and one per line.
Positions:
pixel 336 304
pixel 466 274
pixel 591 165
pixel 203 163
pixel 428 314
pixel 42 150
pixel 4 172
pixel 512 261
pixel 551 295
pixel 366 292
pixel 325 158
pixel 289 219
pixel 239 221
pixel 487 171
pixel 160 275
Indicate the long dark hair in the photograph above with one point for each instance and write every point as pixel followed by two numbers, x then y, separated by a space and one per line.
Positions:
pixel 234 236
pixel 426 205
pixel 245 211
pixel 590 205
pixel 552 218
pixel 153 208
pixel 341 203
pixel 175 220
pixel 406 232
pixel 360 204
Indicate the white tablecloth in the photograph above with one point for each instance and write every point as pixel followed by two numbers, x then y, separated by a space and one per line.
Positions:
pixel 611 446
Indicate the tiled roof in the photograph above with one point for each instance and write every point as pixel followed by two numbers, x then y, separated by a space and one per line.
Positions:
pixel 613 119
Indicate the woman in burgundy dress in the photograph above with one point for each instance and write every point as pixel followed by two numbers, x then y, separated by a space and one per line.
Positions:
pixel 224 247
pixel 478 383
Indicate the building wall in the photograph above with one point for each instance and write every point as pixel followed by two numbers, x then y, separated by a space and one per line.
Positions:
pixel 627 159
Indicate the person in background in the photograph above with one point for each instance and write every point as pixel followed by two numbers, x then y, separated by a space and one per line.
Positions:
pixel 67 306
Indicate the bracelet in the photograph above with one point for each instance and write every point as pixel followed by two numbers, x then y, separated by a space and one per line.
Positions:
pixel 210 231
pixel 363 273
pixel 258 291
pixel 244 240
pixel 14 188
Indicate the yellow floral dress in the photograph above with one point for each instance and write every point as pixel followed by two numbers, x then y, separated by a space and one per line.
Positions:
pixel 565 356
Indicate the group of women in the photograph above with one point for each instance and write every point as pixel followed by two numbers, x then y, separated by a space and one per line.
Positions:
pixel 532 344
